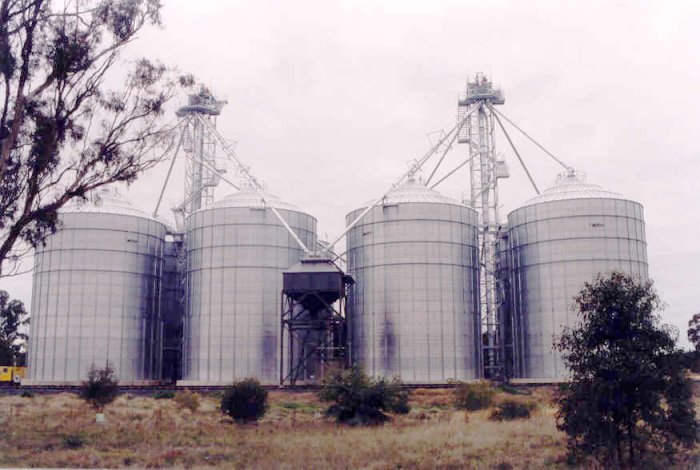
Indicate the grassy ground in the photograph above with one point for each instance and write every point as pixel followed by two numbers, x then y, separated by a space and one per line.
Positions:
pixel 60 431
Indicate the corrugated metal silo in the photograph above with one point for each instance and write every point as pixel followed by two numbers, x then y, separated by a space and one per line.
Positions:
pixel 96 294
pixel 558 241
pixel 413 308
pixel 237 251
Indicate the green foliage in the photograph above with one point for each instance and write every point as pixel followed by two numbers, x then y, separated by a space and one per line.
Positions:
pixel 473 396
pixel 245 400
pixel 7 354
pixel 512 409
pixel 164 395
pixel 13 316
pixel 187 399
pixel 26 394
pixel 629 392
pixel 361 400
pixel 101 386
pixel 694 331
pixel 691 360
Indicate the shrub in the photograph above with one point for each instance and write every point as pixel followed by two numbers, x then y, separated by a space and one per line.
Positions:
pixel 164 395
pixel 361 400
pixel 511 409
pixel 101 386
pixel 187 399
pixel 73 441
pixel 245 400
pixel 26 394
pixel 504 466
pixel 474 396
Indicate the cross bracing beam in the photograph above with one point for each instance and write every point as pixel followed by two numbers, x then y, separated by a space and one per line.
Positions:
pixel 254 184
pixel 412 171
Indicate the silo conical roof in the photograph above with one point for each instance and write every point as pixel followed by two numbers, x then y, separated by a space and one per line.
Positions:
pixel 415 191
pixel 248 197
pixel 572 185
pixel 107 200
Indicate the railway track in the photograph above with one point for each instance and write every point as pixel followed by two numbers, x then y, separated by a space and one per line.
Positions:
pixel 9 389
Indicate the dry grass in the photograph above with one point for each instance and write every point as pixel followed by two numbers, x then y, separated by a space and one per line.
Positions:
pixel 60 431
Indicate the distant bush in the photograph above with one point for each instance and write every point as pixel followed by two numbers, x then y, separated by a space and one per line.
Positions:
pixel 245 400
pixel 691 360
pixel 164 395
pixel 473 396
pixel 26 394
pixel 101 386
pixel 73 441
pixel 187 399
pixel 510 409
pixel 361 400
pixel 504 466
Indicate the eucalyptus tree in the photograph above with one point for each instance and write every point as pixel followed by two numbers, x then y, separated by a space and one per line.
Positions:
pixel 629 395
pixel 73 116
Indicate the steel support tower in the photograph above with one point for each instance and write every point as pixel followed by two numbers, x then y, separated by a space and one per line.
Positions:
pixel 314 337
pixel 199 144
pixel 485 171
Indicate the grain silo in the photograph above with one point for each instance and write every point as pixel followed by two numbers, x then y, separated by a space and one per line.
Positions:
pixel 237 250
pixel 413 310
pixel 95 297
pixel 558 241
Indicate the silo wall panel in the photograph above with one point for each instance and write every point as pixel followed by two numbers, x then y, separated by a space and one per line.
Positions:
pixel 555 248
pixel 96 294
pixel 236 257
pixel 413 306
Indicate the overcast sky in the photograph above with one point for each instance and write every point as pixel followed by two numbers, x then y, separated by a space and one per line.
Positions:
pixel 329 101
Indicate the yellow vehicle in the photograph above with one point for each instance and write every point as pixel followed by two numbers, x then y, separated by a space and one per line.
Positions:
pixel 12 374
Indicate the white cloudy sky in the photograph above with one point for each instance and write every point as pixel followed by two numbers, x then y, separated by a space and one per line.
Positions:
pixel 330 100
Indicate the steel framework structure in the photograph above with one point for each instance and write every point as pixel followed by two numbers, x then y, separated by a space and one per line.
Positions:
pixel 313 345
pixel 485 171
pixel 313 321
pixel 198 141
